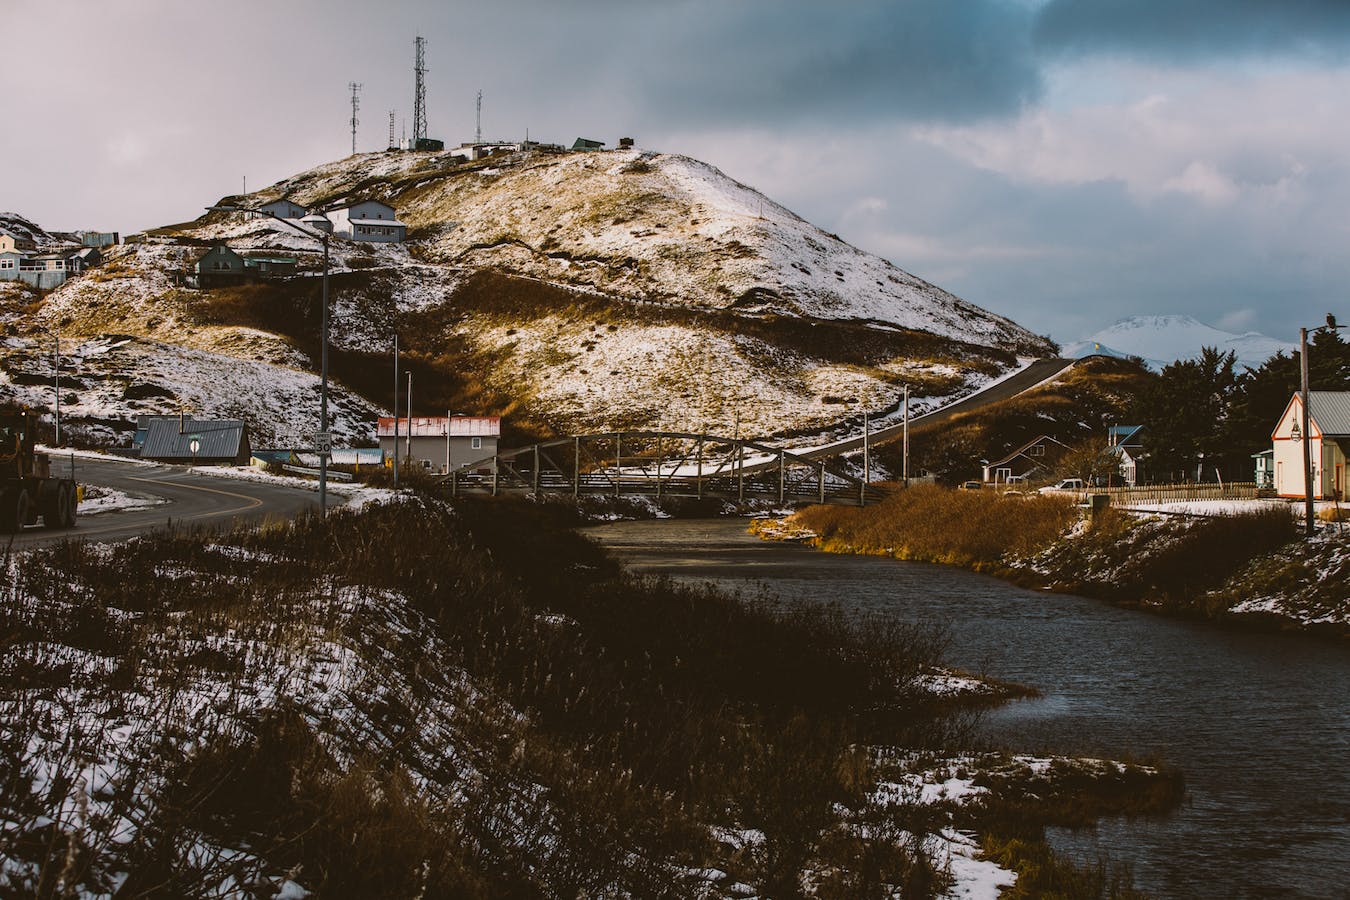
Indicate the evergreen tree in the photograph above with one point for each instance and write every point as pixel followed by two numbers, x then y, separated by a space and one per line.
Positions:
pixel 1186 413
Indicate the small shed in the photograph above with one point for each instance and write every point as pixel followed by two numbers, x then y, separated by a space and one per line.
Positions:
pixel 587 145
pixel 1264 465
pixel 219 442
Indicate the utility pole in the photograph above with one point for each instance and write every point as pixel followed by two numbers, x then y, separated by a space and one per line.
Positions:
pixel 56 350
pixel 408 450
pixel 904 466
pixel 356 104
pixel 867 449
pixel 1308 506
pixel 396 410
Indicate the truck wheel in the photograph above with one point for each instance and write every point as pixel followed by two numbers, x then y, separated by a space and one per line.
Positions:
pixel 70 500
pixel 15 513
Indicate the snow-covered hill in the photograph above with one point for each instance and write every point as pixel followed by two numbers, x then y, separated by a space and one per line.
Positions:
pixel 1160 340
pixel 576 291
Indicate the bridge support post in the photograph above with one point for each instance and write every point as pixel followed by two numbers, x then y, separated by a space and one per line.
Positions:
pixel 698 482
pixel 660 460
pixel 618 461
pixel 782 484
pixel 576 466
pixel 740 471
pixel 535 473
pixel 822 483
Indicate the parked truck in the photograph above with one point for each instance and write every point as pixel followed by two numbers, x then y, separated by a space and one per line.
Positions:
pixel 27 489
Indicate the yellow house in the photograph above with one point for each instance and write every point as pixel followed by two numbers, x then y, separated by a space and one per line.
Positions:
pixel 1329 437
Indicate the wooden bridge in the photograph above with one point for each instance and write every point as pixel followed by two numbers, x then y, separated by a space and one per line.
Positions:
pixel 660 464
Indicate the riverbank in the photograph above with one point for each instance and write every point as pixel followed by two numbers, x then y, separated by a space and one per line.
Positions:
pixel 487 706
pixel 1246 570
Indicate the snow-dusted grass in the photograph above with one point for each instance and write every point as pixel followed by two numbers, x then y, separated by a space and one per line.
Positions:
pixel 98 499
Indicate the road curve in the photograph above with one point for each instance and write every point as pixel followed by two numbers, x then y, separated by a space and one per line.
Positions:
pixel 192 501
pixel 1034 375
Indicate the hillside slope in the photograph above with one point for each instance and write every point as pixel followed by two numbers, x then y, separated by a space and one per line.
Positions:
pixel 571 292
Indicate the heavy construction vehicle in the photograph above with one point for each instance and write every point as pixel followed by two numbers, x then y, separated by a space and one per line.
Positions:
pixel 27 489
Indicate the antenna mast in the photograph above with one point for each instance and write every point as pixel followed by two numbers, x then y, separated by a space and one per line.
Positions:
pixel 420 92
pixel 478 128
pixel 391 130
pixel 356 104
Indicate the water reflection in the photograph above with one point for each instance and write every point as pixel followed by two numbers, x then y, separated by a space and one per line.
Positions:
pixel 1260 723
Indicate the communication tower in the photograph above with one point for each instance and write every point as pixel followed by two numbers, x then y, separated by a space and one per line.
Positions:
pixel 356 104
pixel 478 121
pixel 420 91
pixel 391 130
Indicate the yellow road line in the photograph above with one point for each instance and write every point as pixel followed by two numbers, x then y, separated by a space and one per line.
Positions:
pixel 250 502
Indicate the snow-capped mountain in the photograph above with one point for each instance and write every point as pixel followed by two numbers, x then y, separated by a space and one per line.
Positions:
pixel 1160 340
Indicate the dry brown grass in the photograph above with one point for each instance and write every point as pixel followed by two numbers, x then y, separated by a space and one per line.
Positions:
pixel 935 524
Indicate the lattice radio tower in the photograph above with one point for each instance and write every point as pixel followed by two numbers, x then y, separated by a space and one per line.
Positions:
pixel 478 121
pixel 420 92
pixel 356 104
pixel 392 145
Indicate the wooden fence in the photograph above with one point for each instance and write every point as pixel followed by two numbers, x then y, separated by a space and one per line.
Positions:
pixel 1174 493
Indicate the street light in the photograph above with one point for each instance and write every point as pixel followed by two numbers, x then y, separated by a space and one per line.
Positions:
pixel 315 230
pixel 1331 326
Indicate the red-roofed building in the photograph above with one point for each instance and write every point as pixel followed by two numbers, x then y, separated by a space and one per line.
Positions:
pixel 442 443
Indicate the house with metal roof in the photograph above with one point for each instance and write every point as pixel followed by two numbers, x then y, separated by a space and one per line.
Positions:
pixel 368 220
pixel 441 444
pixel 1036 456
pixel 201 442
pixel 1328 437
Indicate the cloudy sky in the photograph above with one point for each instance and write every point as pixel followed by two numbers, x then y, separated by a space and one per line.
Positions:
pixel 1064 162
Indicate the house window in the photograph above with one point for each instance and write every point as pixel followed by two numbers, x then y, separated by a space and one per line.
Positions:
pixel 476 443
pixel 1037 450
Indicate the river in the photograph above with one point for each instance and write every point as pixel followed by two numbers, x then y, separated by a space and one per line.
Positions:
pixel 1259 723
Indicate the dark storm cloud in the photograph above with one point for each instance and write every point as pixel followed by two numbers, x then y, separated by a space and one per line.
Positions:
pixel 1185 29
pixel 762 61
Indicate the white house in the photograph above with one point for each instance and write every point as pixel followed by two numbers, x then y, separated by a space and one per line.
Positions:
pixel 1328 436
pixel 368 220
pixel 441 443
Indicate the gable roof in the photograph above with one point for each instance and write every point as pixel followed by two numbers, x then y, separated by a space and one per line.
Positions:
pixel 1124 434
pixel 1025 447
pixel 170 438
pixel 1331 411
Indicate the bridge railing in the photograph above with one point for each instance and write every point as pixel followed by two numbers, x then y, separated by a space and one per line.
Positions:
pixel 659 463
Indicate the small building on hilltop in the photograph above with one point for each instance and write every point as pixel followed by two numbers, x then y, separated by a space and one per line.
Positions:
pixel 586 145
pixel 441 444
pixel 203 442
pixel 1035 457
pixel 1328 437
pixel 285 209
pixel 368 220
pixel 13 242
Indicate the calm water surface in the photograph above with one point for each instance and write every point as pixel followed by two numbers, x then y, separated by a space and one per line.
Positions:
pixel 1260 723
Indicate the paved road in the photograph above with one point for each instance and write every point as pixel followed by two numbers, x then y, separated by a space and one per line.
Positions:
pixel 192 501
pixel 1037 373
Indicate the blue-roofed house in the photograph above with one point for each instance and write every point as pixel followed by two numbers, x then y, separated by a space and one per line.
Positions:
pixel 1126 444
